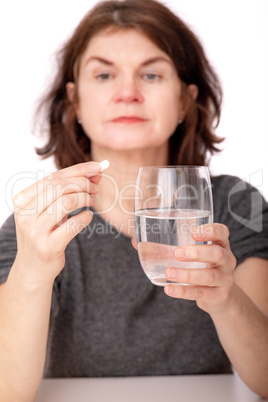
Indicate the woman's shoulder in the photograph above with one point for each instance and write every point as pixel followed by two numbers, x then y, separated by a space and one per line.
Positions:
pixel 239 203
pixel 227 182
pixel 233 190
pixel 242 208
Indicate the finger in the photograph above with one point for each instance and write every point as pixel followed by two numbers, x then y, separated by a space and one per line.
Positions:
pixel 67 231
pixel 87 169
pixel 214 232
pixel 134 243
pixel 202 277
pixel 189 292
pixel 210 253
pixel 47 197
pixel 62 207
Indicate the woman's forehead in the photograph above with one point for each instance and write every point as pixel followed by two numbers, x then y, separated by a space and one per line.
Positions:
pixel 113 40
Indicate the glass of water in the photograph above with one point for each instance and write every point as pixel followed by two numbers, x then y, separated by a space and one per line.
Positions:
pixel 169 203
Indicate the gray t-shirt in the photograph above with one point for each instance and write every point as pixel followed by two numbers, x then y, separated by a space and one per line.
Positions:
pixel 107 319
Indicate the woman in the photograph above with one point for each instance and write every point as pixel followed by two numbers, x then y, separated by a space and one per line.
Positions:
pixel 133 87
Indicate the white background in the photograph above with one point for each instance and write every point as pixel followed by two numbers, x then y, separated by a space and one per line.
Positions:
pixel 233 32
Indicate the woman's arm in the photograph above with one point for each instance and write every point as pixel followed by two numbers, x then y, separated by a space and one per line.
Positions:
pixel 24 321
pixel 243 328
pixel 43 232
pixel 237 302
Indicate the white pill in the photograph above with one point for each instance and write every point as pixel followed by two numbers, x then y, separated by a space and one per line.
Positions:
pixel 104 165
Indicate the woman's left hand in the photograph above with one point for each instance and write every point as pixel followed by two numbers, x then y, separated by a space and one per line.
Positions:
pixel 210 287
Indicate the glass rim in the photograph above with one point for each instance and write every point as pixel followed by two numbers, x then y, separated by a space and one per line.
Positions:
pixel 174 167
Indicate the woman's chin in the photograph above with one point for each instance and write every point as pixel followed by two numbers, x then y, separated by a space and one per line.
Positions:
pixel 131 142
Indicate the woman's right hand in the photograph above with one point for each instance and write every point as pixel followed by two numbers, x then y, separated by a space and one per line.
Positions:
pixel 41 212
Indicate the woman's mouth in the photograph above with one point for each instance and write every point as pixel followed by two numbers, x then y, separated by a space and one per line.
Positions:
pixel 128 120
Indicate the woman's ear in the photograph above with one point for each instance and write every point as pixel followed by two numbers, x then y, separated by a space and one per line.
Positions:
pixel 70 89
pixel 192 90
pixel 71 95
pixel 190 95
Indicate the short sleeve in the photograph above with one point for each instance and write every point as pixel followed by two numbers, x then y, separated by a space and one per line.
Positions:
pixel 242 208
pixel 8 247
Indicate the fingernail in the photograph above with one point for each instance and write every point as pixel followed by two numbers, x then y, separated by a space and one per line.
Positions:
pixel 180 253
pixel 169 289
pixel 172 273
pixel 200 231
pixel 94 166
pixel 197 231
pixel 197 234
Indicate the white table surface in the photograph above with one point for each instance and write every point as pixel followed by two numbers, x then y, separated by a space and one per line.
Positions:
pixel 198 388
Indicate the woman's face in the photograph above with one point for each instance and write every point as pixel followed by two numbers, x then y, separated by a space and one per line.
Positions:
pixel 129 92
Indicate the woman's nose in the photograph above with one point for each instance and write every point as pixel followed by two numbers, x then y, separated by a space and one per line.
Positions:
pixel 128 91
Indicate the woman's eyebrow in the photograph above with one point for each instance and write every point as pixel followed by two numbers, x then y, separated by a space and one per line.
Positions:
pixel 145 63
pixel 100 60
pixel 156 60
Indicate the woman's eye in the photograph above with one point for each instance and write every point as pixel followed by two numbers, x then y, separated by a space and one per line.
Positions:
pixel 152 77
pixel 104 76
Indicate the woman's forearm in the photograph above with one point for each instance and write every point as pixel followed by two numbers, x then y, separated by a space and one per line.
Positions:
pixel 243 332
pixel 24 322
pixel 241 320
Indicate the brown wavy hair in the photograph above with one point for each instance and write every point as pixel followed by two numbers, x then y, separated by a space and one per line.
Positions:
pixel 193 141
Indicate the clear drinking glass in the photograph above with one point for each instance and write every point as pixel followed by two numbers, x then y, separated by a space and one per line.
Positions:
pixel 169 202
